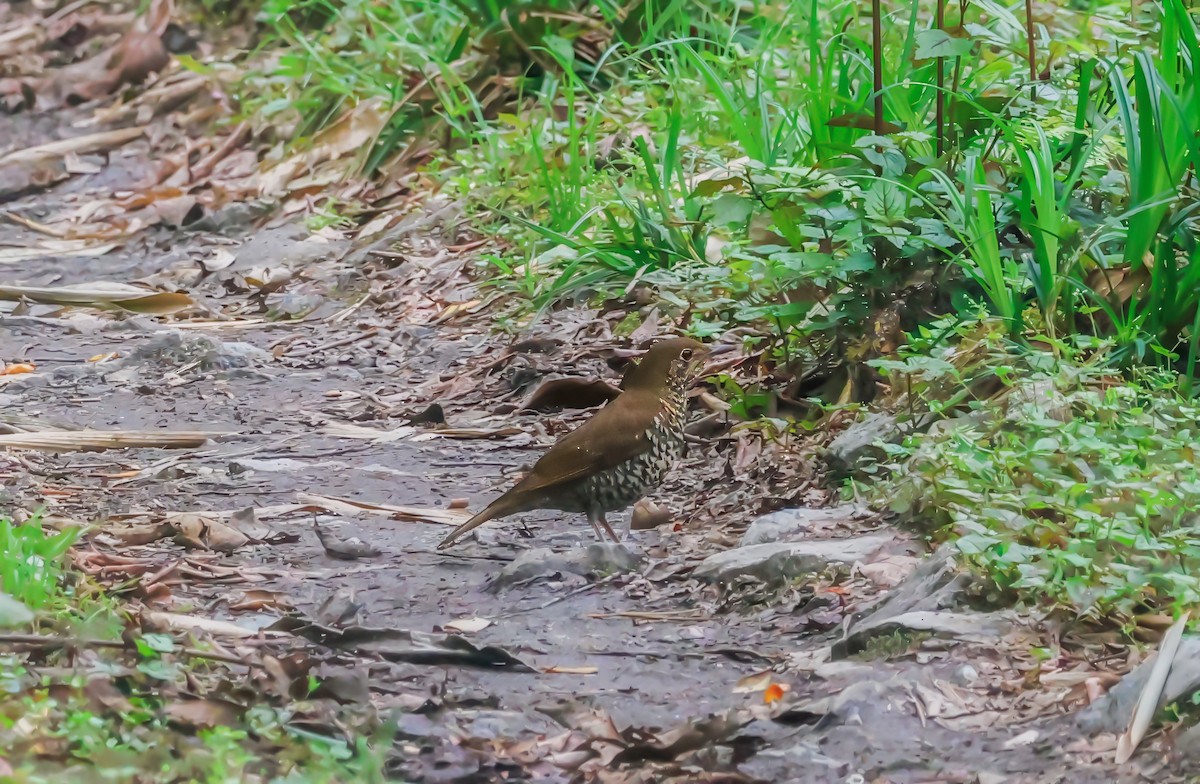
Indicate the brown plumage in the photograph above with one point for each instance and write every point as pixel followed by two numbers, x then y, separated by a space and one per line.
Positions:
pixel 615 457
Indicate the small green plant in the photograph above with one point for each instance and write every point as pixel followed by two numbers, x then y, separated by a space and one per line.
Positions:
pixel 1078 492
pixel 31 561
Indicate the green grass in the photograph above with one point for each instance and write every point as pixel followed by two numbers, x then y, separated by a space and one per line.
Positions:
pixel 31 569
pixel 110 705
pixel 739 160
pixel 1080 495
pixel 729 156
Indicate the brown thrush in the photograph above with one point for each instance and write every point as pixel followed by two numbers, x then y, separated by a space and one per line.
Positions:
pixel 612 459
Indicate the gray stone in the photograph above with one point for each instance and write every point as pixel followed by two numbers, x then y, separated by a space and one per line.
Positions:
pixel 983 628
pixel 861 440
pixel 1038 397
pixel 787 525
pixel 1113 711
pixel 599 558
pixel 781 561
pixel 937 584
pixel 1188 744
pixel 291 247
pixel 13 612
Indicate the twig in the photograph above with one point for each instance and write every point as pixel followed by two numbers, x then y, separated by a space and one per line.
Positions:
pixel 51 643
pixel 677 615
pixel 564 597
pixel 346 341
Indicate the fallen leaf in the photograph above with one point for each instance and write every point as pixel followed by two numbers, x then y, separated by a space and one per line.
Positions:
pixel 571 392
pixel 774 693
pixel 93 142
pixel 1147 704
pixel 100 294
pixel 200 533
pixel 556 669
pixel 468 625
pixel 17 368
pixel 647 514
pixel 402 645
pixel 193 623
pixel 92 440
pixel 259 599
pixel 75 248
pixel 203 714
pixel 347 506
pixel 757 681
pixel 343 549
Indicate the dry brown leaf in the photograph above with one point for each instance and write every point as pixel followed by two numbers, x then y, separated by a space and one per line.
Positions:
pixel 92 142
pixel 93 440
pixel 1147 704
pixel 17 368
pixel 774 692
pixel 571 392
pixel 194 623
pixel 101 294
pixel 202 533
pixel 259 599
pixel 556 669
pixel 468 625
pixel 203 714
pixel 348 506
pixel 647 514
pixel 351 133
pixel 757 681
pixel 72 248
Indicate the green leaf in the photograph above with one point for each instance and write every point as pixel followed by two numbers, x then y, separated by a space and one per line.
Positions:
pixel 730 209
pixel 939 43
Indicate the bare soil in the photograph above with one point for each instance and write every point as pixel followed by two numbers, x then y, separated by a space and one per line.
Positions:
pixel 383 329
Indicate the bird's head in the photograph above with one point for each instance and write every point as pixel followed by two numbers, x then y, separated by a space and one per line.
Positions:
pixel 667 363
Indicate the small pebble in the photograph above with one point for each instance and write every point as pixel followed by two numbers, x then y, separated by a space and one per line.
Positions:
pixel 966 675
pixel 458 503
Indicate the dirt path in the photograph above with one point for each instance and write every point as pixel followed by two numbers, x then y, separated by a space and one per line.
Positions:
pixel 639 667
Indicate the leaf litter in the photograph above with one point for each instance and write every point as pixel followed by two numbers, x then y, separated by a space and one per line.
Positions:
pixel 658 621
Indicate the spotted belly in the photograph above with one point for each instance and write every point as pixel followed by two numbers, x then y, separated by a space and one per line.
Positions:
pixel 618 487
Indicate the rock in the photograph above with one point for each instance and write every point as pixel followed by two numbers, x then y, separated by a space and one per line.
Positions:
pixel 889 571
pixel 1188 744
pixel 175 351
pixel 290 247
pixel 1113 711
pixel 788 525
pixel 983 628
pixel 937 584
pixel 781 561
pixel 600 558
pixel 860 440
pixel 13 612
pixel 1038 398
pixel 966 675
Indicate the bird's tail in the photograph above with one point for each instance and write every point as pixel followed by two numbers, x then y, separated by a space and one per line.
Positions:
pixel 501 507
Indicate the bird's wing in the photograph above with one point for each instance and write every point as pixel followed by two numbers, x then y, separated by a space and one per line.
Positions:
pixel 615 434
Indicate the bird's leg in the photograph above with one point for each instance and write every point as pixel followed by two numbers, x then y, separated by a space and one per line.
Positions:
pixel 595 519
pixel 611 533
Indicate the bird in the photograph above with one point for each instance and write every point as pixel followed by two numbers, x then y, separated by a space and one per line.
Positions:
pixel 614 458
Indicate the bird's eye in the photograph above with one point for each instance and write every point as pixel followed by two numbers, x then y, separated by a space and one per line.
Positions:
pixel 686 354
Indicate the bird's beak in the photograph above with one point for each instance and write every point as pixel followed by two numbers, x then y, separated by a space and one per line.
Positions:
pixel 700 358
